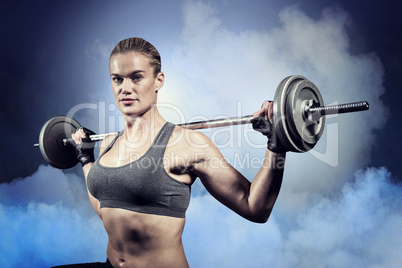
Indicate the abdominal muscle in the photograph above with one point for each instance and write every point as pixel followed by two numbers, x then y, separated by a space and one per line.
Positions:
pixel 143 240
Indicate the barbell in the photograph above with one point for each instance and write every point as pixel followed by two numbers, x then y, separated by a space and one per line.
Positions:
pixel 298 119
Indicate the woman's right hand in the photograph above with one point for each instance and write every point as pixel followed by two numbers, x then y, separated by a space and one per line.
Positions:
pixel 84 146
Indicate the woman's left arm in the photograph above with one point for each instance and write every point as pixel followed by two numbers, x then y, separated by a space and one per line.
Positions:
pixel 253 201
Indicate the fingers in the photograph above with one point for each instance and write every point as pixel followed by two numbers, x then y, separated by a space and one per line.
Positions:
pixel 78 135
pixel 266 111
pixel 260 112
pixel 271 111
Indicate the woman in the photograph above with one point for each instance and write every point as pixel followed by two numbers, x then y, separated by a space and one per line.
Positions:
pixel 140 184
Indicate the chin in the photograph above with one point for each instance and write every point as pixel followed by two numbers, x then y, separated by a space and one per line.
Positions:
pixel 132 113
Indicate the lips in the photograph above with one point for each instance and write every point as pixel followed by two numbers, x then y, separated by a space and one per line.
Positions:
pixel 128 101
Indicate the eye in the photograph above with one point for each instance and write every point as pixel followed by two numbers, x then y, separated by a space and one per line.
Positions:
pixel 117 79
pixel 136 78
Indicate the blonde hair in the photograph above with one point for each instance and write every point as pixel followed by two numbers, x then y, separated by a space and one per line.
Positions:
pixel 136 44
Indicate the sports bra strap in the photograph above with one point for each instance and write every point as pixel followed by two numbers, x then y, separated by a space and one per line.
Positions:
pixel 111 144
pixel 162 139
pixel 159 143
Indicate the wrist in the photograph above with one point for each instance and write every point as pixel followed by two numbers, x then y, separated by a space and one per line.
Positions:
pixel 85 153
pixel 274 160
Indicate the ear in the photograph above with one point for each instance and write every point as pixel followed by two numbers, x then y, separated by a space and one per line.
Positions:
pixel 159 80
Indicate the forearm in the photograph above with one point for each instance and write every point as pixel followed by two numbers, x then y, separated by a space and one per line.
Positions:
pixel 265 187
pixel 253 201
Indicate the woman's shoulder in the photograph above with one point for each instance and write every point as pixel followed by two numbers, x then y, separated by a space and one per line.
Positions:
pixel 189 138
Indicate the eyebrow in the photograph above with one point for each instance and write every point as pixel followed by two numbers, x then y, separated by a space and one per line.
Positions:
pixel 130 74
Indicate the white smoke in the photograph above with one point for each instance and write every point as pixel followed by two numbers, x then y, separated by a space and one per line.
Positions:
pixel 46 220
pixel 359 227
pixel 217 70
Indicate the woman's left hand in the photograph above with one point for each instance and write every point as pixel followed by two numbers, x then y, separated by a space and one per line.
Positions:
pixel 266 111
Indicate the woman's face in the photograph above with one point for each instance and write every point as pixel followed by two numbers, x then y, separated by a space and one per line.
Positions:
pixel 134 83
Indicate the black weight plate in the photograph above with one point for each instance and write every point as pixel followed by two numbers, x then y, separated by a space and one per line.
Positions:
pixel 304 133
pixel 279 113
pixel 296 133
pixel 51 142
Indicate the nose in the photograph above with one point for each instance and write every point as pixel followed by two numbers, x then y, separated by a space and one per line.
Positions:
pixel 127 87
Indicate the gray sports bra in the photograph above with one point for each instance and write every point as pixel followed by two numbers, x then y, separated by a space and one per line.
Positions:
pixel 142 185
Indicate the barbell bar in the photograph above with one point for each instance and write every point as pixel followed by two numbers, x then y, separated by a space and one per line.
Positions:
pixel 241 120
pixel 315 112
pixel 298 119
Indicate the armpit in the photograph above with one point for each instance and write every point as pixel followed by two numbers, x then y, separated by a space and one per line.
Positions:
pixel 185 169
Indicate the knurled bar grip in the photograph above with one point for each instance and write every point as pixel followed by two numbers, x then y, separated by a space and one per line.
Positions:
pixel 341 108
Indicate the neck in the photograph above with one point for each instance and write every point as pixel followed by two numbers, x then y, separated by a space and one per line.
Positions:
pixel 142 126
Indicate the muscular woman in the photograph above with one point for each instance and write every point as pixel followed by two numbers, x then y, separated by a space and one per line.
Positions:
pixel 140 183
